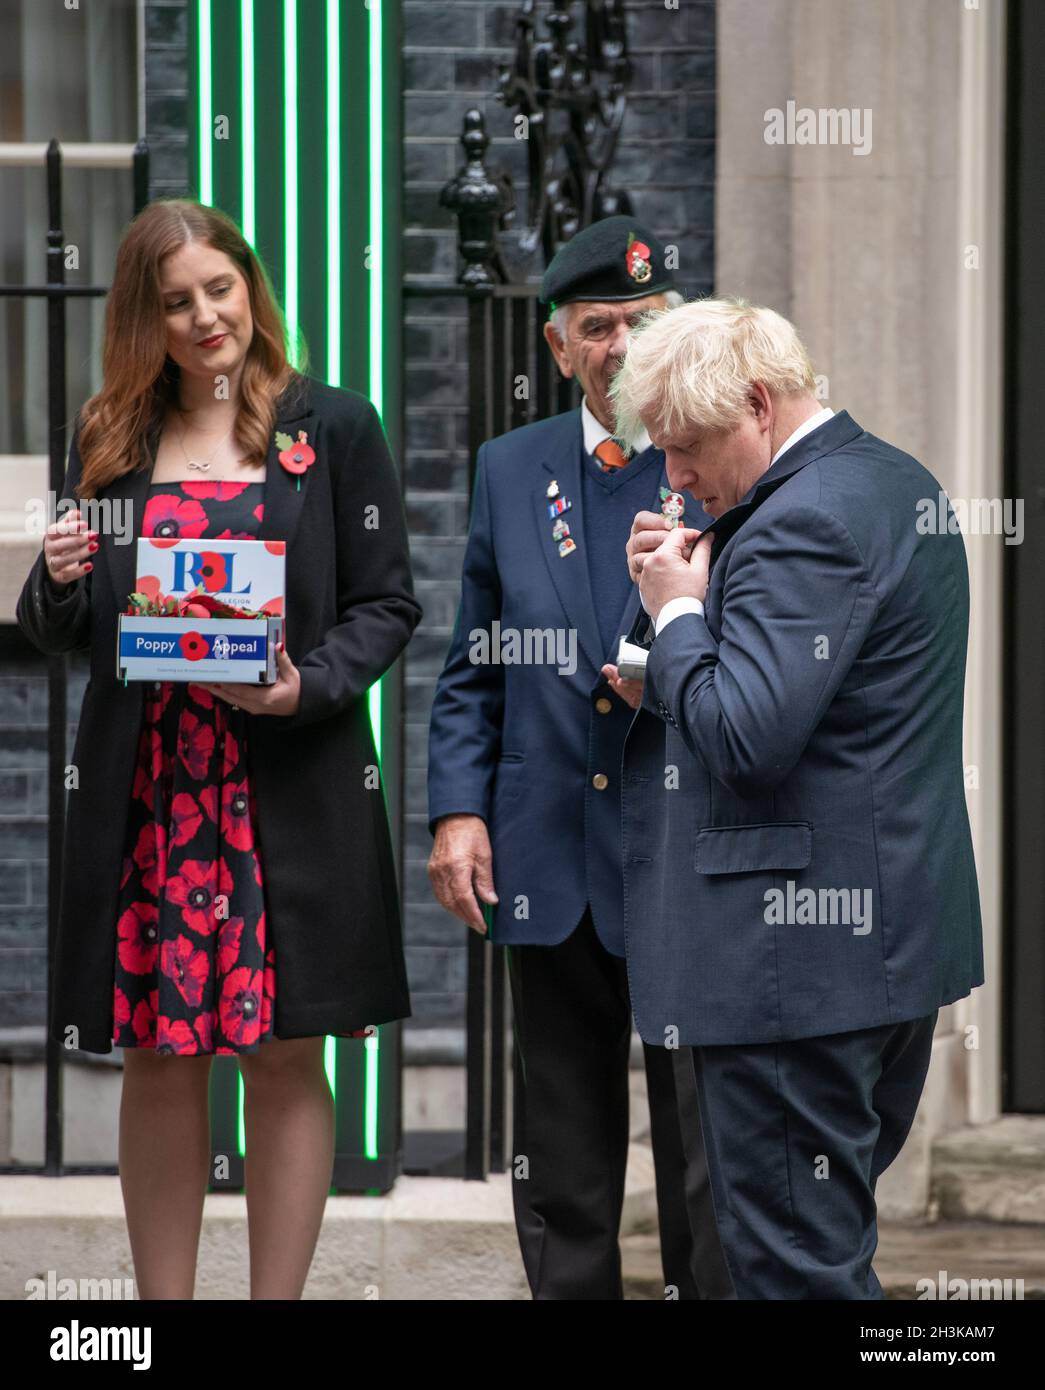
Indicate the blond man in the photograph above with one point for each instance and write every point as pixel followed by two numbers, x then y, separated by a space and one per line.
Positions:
pixel 800 891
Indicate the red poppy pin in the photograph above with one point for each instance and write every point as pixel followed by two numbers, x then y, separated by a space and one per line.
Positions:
pixel 295 458
pixel 637 260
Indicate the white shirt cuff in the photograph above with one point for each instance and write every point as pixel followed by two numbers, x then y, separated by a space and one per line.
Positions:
pixel 674 607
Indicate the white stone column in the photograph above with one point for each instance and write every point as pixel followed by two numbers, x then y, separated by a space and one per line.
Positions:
pixel 866 254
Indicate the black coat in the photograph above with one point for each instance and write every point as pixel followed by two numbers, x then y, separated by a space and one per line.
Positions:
pixel 332 906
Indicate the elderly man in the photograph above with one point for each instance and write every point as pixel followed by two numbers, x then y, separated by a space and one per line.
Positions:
pixel 524 791
pixel 799 878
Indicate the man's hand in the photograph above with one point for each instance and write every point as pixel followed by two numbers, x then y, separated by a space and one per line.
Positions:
pixel 673 570
pixel 461 868
pixel 282 697
pixel 649 531
pixel 630 691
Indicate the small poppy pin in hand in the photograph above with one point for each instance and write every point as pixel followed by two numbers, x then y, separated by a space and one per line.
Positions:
pixel 295 458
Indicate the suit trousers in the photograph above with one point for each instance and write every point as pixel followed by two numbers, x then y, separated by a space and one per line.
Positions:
pixel 797 1135
pixel 572 1020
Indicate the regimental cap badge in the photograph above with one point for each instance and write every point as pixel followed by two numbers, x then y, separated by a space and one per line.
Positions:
pixel 637 260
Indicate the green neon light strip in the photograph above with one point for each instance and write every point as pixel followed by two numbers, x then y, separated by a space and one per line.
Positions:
pixel 290 175
pixel 246 20
pixel 376 297
pixel 241 1124
pixel 334 192
pixel 376 208
pixel 206 126
pixel 291 286
pixel 373 1057
pixel 330 1062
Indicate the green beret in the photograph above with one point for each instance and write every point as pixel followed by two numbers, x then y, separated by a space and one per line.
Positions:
pixel 615 258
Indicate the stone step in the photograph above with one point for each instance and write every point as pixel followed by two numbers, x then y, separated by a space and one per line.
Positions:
pixel 992 1172
pixel 906 1255
pixel 429 1238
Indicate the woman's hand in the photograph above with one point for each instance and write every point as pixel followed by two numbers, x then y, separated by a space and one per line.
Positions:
pixel 68 545
pixel 282 697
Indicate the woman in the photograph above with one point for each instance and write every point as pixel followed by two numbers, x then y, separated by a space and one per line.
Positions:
pixel 228 882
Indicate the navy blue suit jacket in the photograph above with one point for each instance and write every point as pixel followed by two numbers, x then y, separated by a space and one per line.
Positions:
pixel 815 718
pixel 520 744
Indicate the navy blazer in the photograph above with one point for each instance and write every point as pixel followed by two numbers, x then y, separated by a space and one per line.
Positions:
pixel 521 744
pixel 814 716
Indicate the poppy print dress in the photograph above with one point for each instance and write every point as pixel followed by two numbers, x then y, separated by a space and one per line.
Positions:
pixel 194 972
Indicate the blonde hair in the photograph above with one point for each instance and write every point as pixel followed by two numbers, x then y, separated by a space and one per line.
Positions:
pixel 689 370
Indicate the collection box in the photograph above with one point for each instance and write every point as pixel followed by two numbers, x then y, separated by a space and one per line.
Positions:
pixel 240 573
pixel 200 644
pixel 198 649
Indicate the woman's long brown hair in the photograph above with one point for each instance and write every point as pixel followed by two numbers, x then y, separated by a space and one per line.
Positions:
pixel 139 379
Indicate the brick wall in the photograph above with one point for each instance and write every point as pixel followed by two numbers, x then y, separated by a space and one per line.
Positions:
pixel 23 824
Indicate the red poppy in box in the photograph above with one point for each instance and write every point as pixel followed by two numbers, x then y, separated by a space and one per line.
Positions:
pixel 193 646
pixel 212 568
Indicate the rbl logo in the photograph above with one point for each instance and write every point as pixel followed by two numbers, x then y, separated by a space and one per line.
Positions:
pixel 211 568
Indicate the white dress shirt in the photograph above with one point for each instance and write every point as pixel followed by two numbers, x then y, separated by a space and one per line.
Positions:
pixel 594 433
pixel 675 606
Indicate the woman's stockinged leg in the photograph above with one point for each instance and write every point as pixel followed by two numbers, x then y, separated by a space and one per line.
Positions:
pixel 164 1167
pixel 289 1121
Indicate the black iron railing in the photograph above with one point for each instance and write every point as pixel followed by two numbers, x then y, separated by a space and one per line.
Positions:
pixel 55 158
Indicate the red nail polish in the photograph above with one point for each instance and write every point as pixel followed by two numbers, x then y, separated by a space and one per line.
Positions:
pixel 88 566
pixel 93 546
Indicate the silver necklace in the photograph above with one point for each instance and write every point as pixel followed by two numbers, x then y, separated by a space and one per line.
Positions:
pixel 202 464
